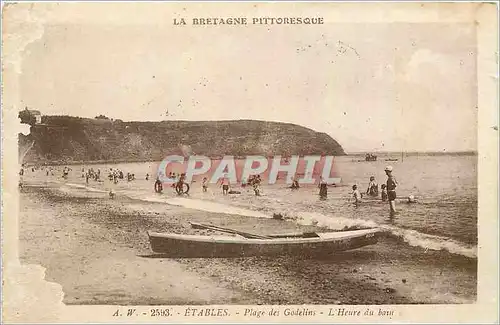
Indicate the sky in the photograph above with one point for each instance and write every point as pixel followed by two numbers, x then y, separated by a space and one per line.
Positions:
pixel 371 86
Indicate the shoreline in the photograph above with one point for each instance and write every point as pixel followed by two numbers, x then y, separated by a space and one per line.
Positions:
pixel 354 154
pixel 87 232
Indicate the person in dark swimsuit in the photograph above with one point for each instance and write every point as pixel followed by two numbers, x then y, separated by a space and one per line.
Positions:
pixel 256 185
pixel 204 184
pixel 225 185
pixel 391 189
pixel 323 189
pixel 372 187
pixel 384 192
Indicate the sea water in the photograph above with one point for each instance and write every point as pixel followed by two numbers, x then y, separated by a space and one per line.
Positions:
pixel 444 217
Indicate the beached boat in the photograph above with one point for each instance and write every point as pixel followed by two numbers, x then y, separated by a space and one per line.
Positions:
pixel 298 244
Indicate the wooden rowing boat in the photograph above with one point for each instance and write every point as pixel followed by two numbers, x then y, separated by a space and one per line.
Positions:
pixel 299 244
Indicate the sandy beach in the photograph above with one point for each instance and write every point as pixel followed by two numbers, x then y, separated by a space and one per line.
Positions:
pixel 258 162
pixel 78 234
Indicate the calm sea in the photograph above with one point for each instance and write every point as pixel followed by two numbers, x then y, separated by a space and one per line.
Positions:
pixel 445 216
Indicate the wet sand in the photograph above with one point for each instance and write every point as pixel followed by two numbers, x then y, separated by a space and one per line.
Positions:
pixel 98 250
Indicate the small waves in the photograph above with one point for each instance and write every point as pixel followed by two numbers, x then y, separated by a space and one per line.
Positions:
pixel 202 205
pixel 432 242
pixel 409 236
pixel 88 188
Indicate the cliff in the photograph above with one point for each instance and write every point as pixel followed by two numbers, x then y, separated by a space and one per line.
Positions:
pixel 70 139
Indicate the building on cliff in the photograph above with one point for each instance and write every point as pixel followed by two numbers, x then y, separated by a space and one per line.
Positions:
pixel 30 116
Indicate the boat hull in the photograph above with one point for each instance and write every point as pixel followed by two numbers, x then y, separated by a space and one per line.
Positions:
pixel 174 245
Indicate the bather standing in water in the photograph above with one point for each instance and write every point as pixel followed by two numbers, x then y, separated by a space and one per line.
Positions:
pixel 384 192
pixel 323 189
pixel 225 185
pixel 256 185
pixel 65 172
pixel 356 195
pixel 391 189
pixel 295 183
pixel 372 187
pixel 204 184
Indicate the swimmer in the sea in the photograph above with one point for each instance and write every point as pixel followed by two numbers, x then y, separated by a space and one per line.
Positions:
pixel 356 195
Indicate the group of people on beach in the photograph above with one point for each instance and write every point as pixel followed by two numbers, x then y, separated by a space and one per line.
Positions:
pixel 49 170
pixel 91 174
pixel 388 191
pixel 116 174
pixel 225 184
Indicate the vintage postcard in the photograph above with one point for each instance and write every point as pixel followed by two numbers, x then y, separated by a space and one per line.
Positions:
pixel 293 162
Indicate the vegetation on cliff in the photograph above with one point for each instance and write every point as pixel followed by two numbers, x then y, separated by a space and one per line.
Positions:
pixel 67 138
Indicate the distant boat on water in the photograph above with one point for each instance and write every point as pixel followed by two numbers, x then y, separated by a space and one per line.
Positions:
pixel 368 157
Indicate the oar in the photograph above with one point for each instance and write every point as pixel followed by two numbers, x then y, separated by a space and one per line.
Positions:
pixel 249 235
pixel 227 230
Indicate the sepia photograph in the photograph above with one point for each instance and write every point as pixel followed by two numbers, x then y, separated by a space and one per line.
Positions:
pixel 253 154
